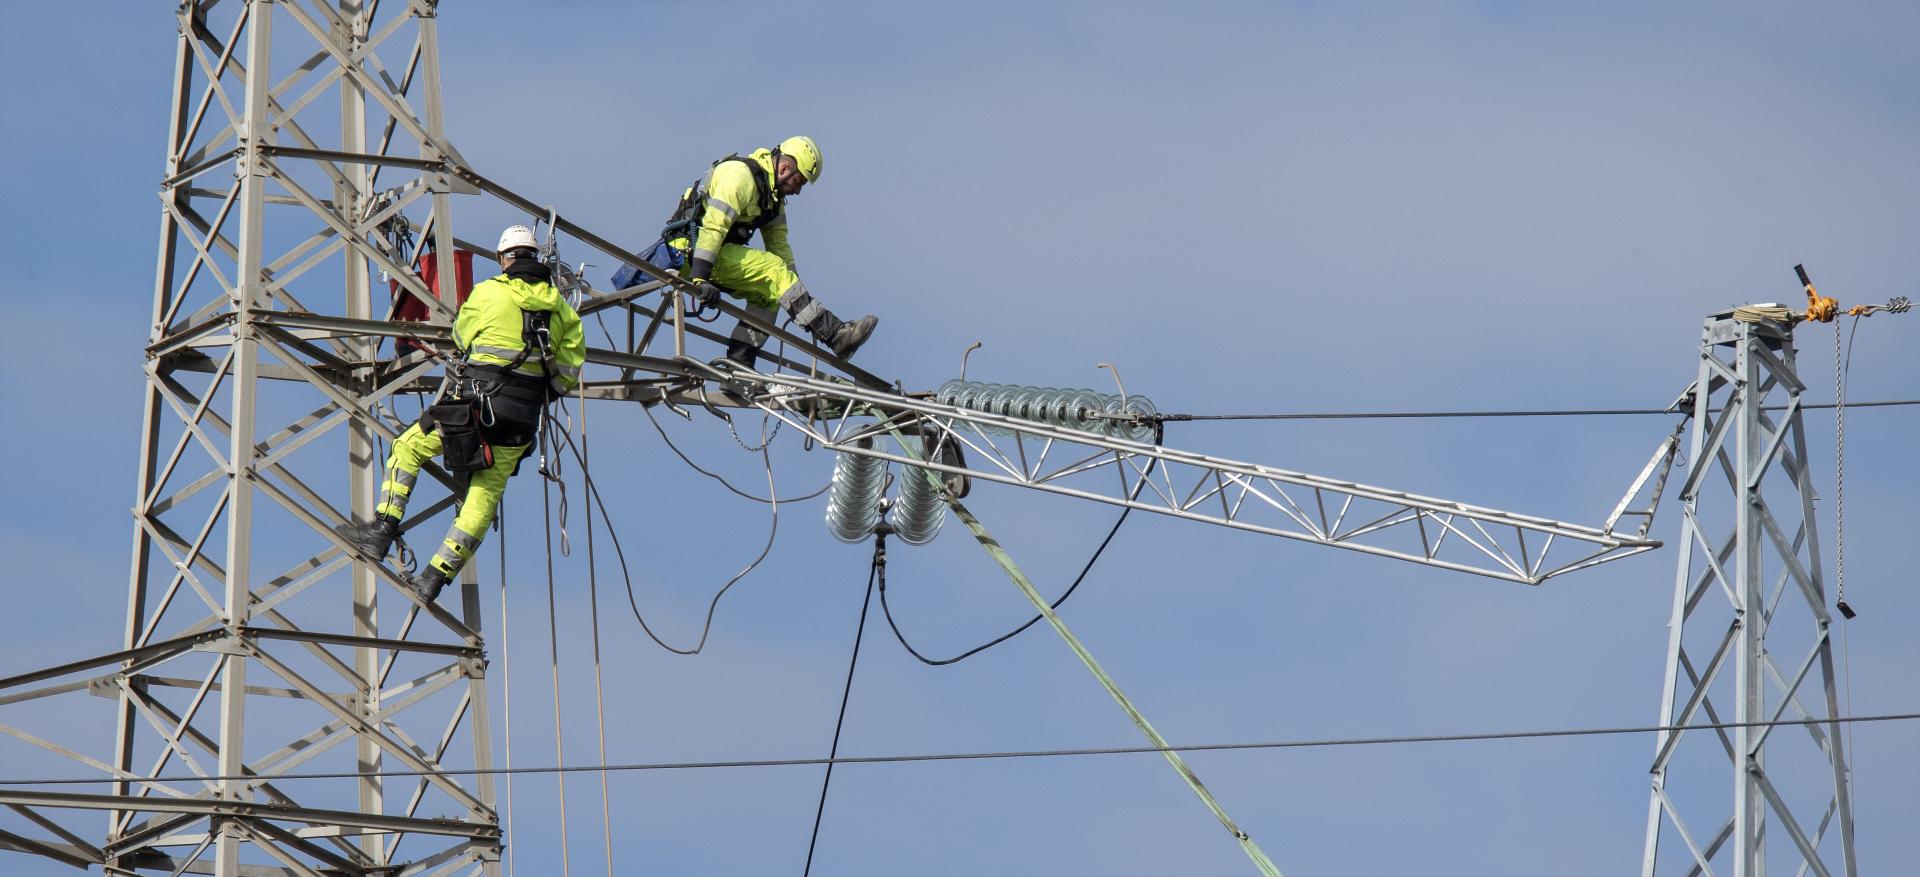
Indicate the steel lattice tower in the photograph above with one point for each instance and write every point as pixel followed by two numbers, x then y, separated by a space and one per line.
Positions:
pixel 1750 635
pixel 255 645
pixel 306 137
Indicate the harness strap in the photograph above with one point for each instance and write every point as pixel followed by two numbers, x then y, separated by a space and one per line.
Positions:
pixel 690 213
pixel 533 336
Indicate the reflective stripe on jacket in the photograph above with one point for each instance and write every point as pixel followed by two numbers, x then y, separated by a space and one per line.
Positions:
pixel 489 329
pixel 733 205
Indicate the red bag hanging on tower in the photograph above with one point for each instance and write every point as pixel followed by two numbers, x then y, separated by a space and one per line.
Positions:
pixel 427 268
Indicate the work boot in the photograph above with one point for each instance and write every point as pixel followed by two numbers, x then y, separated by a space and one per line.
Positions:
pixel 427 583
pixel 741 353
pixel 843 337
pixel 373 539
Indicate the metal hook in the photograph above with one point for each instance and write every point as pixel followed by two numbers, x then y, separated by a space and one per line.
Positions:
pixel 963 359
pixel 1116 382
pixel 579 287
pixel 551 248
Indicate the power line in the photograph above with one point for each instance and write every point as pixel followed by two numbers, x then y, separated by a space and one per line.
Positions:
pixel 846 694
pixel 990 756
pixel 1552 412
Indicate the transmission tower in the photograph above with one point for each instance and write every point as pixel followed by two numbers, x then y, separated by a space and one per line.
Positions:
pixel 306 136
pixel 255 645
pixel 1750 638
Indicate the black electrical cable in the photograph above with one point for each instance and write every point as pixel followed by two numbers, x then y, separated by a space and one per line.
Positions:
pixel 626 576
pixel 886 610
pixel 859 633
pixel 647 410
pixel 1483 736
pixel 1570 412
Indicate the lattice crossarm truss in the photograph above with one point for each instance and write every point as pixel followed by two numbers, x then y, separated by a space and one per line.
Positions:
pixel 1245 496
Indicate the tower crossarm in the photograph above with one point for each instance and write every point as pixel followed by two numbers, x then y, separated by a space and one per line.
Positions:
pixel 1182 484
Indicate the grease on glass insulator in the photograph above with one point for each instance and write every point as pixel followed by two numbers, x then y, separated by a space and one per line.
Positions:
pixel 1079 410
pixel 919 511
pixel 853 503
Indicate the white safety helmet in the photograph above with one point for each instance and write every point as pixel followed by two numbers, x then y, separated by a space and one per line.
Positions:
pixel 516 237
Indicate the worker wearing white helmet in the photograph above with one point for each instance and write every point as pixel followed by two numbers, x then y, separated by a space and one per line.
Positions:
pixel 521 346
pixel 717 216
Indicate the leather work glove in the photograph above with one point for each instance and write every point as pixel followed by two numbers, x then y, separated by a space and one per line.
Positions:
pixel 705 294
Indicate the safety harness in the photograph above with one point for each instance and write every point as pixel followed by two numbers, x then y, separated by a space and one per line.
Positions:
pixel 692 209
pixel 534 337
pixel 487 399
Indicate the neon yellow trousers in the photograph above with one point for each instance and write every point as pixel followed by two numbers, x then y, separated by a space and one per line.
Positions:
pixel 484 489
pixel 760 277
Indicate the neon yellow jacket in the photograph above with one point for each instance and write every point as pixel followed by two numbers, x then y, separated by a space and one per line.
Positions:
pixel 732 200
pixel 489 328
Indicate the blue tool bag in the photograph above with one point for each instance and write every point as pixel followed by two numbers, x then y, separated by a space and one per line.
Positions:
pixel 660 256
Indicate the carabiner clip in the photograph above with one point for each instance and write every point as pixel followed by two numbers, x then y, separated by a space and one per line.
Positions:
pixel 700 311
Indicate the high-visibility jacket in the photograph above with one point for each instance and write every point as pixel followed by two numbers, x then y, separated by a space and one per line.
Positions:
pixel 739 199
pixel 491 329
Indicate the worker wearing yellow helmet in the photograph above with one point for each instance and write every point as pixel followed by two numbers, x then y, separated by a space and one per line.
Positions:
pixel 707 239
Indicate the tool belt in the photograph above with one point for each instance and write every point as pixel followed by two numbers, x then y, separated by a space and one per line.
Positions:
pixel 457 422
pixel 513 402
pixel 496 406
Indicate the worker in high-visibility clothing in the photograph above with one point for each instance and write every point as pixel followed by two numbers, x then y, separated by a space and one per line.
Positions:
pixel 522 346
pixel 707 236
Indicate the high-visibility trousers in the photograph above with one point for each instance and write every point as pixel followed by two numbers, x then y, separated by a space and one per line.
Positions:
pixel 484 489
pixel 760 277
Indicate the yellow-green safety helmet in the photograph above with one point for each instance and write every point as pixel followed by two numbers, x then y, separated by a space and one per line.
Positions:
pixel 805 154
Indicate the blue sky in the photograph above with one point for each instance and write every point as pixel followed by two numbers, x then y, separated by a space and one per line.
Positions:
pixel 1247 207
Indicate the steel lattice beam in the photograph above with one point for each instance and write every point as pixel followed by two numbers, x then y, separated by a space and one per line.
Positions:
pixel 1243 496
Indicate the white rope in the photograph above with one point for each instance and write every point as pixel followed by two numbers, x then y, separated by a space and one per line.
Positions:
pixel 506 669
pixel 553 644
pixel 599 688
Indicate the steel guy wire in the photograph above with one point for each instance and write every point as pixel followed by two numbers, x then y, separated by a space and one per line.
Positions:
pixel 1321 743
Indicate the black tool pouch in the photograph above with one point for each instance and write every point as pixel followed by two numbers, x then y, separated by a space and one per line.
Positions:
pixel 462 447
